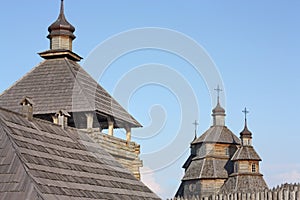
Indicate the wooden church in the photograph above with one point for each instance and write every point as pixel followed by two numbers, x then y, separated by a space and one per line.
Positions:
pixel 220 162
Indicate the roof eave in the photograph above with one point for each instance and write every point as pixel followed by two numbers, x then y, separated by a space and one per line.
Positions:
pixel 61 53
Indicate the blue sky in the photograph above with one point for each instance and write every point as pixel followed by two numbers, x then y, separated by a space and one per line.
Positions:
pixel 255 47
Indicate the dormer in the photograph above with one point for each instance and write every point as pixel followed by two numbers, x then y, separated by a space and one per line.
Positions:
pixel 27 107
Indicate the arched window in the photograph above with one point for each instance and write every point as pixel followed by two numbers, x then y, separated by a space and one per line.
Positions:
pixel 253 167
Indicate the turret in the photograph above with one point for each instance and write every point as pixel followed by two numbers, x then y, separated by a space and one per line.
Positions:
pixel 246 135
pixel 61 36
pixel 61 32
pixel 218 113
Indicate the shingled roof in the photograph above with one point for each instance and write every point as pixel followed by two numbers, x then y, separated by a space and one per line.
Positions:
pixel 246 153
pixel 206 168
pixel 62 84
pixel 246 183
pixel 40 160
pixel 218 134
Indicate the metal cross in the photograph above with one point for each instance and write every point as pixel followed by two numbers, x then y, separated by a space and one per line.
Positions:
pixel 196 125
pixel 245 111
pixel 218 89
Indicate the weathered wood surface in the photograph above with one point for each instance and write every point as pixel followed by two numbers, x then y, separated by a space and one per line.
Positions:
pixel 40 160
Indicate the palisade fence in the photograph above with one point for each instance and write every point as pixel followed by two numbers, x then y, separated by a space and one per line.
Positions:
pixel 283 192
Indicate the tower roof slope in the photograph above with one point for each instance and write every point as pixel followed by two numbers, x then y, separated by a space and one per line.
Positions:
pixel 40 160
pixel 218 134
pixel 246 153
pixel 206 169
pixel 245 184
pixel 61 84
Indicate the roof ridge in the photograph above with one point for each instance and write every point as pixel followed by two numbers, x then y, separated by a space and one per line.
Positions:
pixel 96 84
pixel 52 86
pixel 78 82
pixel 202 167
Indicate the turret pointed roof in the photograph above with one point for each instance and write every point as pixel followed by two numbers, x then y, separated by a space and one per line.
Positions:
pixel 218 134
pixel 61 84
pixel 246 153
pixel 246 133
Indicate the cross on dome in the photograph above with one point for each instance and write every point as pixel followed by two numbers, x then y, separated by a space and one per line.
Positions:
pixel 196 125
pixel 218 89
pixel 245 111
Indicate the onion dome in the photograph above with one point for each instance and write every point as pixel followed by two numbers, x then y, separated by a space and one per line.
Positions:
pixel 61 39
pixel 61 27
pixel 218 114
pixel 218 110
pixel 246 133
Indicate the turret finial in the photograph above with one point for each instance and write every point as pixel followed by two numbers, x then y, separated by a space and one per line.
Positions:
pixel 218 89
pixel 196 125
pixel 62 7
pixel 245 111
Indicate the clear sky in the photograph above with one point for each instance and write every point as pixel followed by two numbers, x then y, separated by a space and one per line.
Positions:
pixel 254 45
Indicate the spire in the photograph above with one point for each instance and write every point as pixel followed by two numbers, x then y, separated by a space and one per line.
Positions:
pixel 61 32
pixel 218 112
pixel 246 135
pixel 62 8
pixel 61 38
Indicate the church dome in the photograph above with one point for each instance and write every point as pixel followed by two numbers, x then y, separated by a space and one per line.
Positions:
pixel 245 132
pixel 218 109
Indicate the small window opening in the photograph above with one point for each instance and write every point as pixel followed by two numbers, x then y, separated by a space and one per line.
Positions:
pixel 253 167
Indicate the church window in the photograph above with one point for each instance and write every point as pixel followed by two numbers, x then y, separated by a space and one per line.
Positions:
pixel 253 167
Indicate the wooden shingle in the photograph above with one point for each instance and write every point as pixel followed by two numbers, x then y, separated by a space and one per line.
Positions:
pixel 40 160
pixel 61 84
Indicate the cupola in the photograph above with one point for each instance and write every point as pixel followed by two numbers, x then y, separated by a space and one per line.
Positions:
pixel 61 36
pixel 218 113
pixel 246 135
pixel 61 32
